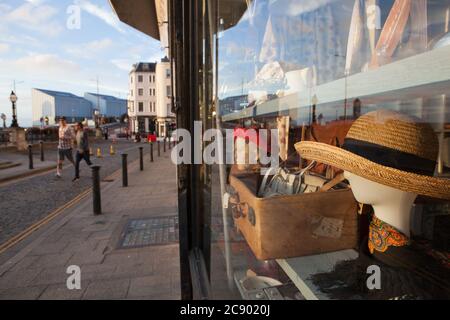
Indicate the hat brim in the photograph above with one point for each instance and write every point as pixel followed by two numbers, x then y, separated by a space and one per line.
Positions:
pixel 348 161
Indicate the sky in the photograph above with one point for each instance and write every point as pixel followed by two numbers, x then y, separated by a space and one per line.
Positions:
pixel 44 45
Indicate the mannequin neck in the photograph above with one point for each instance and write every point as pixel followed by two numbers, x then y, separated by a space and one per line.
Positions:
pixel 397 213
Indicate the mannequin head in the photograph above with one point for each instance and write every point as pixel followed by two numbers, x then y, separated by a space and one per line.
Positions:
pixel 391 205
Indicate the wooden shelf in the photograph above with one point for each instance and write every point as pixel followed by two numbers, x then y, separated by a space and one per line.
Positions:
pixel 301 269
pixel 423 75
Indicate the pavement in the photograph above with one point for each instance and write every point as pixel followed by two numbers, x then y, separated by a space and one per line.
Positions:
pixel 34 264
pixel 19 163
pixel 30 198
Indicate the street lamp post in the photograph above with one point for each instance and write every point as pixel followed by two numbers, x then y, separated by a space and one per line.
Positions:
pixel 3 116
pixel 96 114
pixel 13 98
pixel 98 132
pixel 127 126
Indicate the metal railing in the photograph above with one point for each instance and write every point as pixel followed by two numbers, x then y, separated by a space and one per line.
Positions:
pixel 35 136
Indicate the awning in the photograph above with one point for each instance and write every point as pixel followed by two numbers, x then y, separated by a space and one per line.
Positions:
pixel 150 16
pixel 139 14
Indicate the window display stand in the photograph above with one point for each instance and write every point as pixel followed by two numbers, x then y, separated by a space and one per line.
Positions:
pixel 301 269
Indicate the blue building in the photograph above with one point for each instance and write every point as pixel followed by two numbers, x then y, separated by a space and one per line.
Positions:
pixel 108 106
pixel 55 104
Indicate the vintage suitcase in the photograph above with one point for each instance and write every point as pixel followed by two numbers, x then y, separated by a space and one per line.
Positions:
pixel 295 225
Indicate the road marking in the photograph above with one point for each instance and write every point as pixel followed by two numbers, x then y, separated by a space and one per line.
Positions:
pixel 19 237
pixel 24 234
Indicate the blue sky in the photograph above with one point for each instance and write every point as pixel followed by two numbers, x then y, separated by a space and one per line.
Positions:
pixel 38 50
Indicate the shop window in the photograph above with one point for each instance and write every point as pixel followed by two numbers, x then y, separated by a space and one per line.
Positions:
pixel 360 178
pixel 141 106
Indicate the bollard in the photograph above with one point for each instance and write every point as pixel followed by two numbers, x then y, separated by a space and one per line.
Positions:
pixel 41 145
pixel 96 194
pixel 170 144
pixel 151 151
pixel 165 144
pixel 30 157
pixel 141 158
pixel 159 148
pixel 124 170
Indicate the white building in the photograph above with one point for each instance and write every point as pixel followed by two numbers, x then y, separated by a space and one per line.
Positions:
pixel 149 102
pixel 165 117
pixel 54 104
pixel 108 106
pixel 142 97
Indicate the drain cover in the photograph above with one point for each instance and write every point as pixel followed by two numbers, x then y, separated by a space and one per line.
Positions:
pixel 150 232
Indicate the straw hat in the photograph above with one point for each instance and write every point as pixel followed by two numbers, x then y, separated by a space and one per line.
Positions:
pixel 389 148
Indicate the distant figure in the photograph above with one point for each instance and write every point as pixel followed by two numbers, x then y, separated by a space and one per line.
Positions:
pixel 82 140
pixel 65 140
pixel 106 133
pixel 138 137
pixel 356 108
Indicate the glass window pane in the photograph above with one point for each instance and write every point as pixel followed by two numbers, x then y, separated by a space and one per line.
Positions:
pixel 353 95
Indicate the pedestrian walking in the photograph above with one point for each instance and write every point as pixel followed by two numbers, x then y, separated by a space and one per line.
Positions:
pixel 82 140
pixel 65 140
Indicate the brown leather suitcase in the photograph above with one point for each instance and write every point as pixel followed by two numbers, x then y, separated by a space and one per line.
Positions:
pixel 294 225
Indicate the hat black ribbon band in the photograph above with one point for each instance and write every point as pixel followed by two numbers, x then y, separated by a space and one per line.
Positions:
pixel 390 158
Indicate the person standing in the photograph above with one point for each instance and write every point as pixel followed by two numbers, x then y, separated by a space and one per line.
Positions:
pixel 82 140
pixel 66 136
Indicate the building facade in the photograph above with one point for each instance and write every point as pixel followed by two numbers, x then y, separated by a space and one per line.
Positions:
pixel 165 116
pixel 108 106
pixel 142 97
pixel 149 98
pixel 54 104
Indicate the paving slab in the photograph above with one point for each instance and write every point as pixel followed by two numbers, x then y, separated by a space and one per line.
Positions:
pixel 36 268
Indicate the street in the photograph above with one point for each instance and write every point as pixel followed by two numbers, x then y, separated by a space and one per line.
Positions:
pixel 26 201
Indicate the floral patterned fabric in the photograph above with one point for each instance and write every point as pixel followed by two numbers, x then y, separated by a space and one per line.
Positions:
pixel 382 236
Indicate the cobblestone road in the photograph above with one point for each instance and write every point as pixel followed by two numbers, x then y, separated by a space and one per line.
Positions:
pixel 25 202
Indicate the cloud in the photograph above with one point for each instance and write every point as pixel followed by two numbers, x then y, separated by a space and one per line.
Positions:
pixel 103 13
pixel 32 16
pixel 123 64
pixel 4 47
pixel 91 49
pixel 4 7
pixel 41 65
pixel 22 40
pixel 295 8
pixel 36 2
